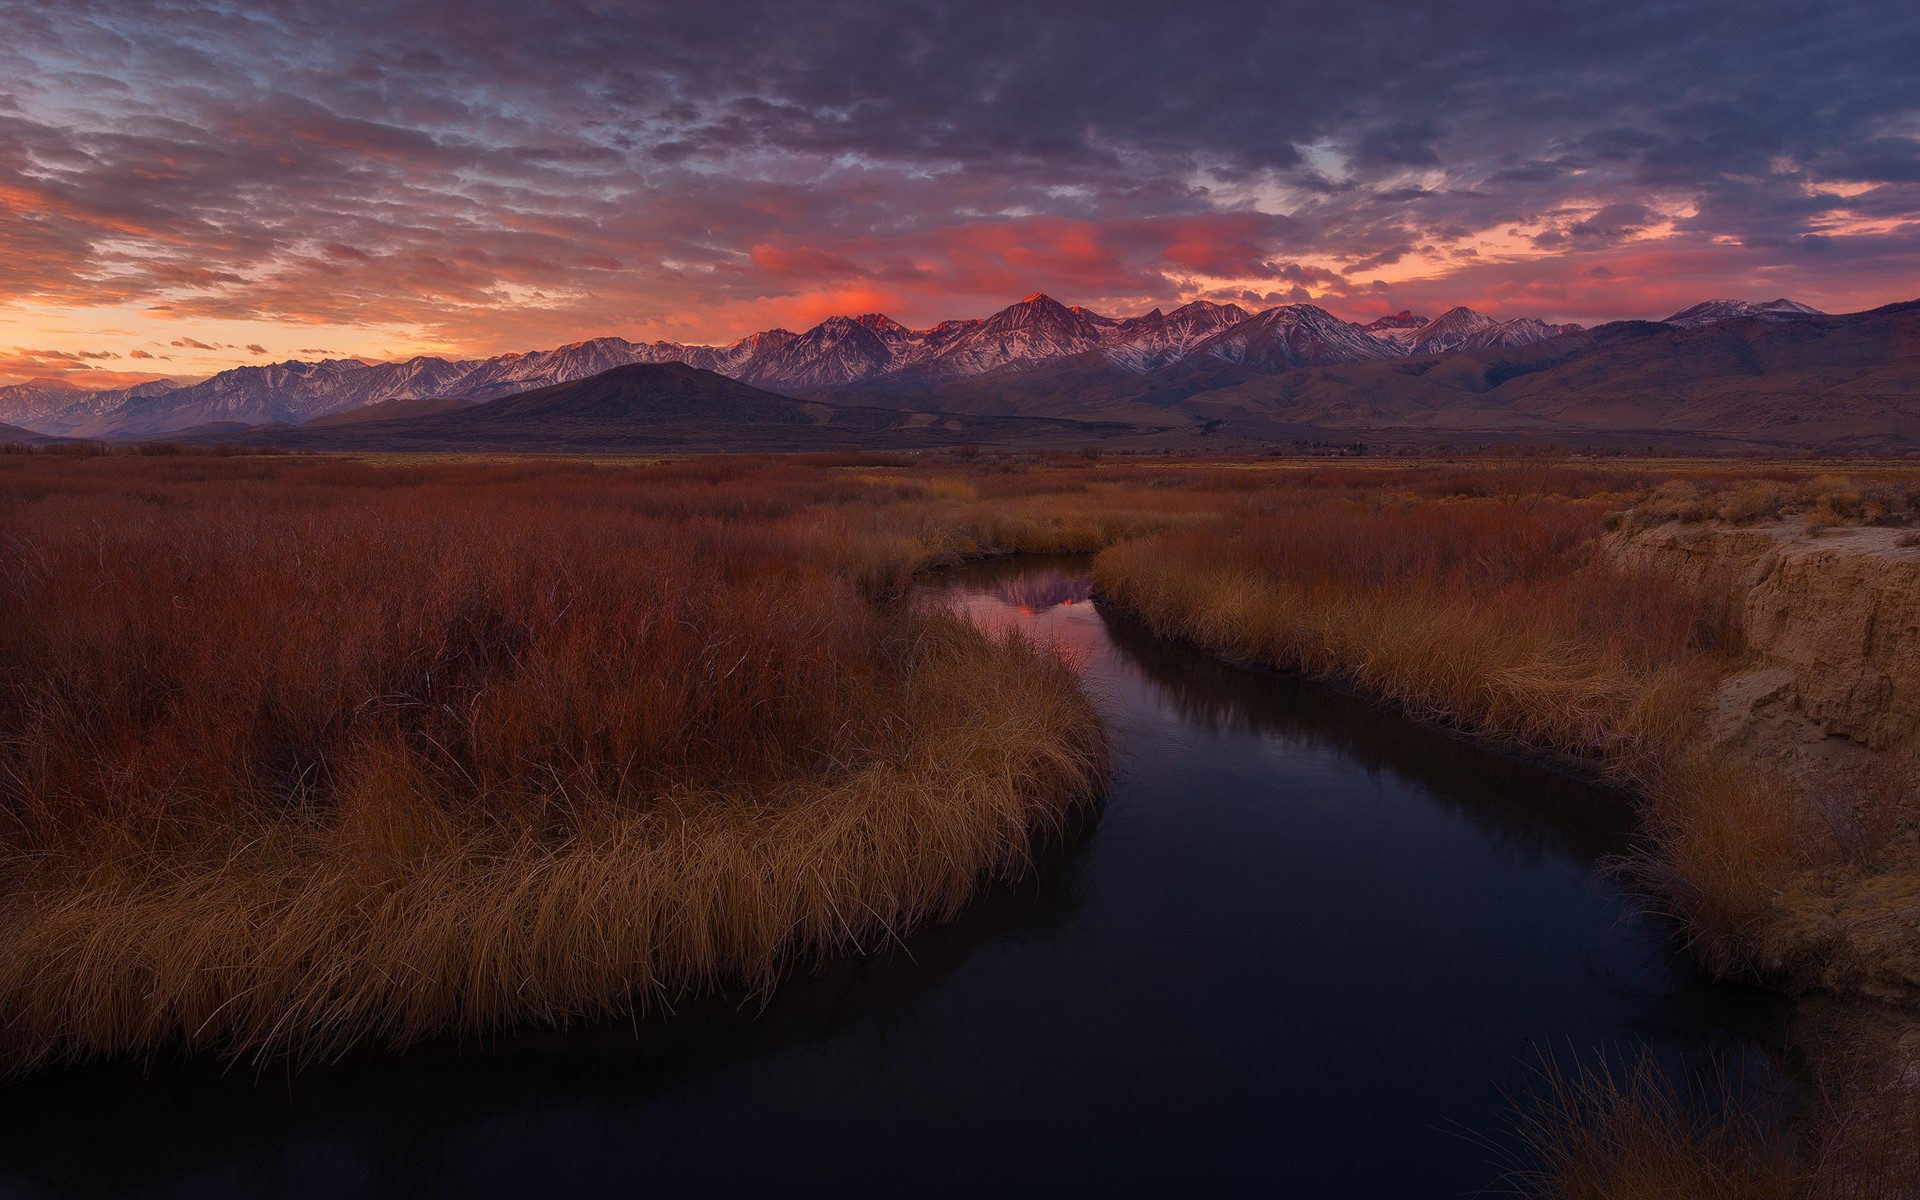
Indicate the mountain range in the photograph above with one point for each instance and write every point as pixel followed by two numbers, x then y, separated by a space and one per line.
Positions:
pixel 1725 372
pixel 656 407
pixel 1756 382
pixel 867 351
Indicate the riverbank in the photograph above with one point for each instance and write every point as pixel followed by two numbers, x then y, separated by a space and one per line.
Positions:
pixel 1755 684
pixel 295 756
pixel 1752 683
pixel 1821 719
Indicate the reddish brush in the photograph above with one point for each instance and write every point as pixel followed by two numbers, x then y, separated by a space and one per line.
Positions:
pixel 294 754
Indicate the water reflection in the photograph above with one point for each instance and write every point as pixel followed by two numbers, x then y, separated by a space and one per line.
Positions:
pixel 1303 944
pixel 1040 589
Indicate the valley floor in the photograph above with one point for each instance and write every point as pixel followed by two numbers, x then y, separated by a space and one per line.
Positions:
pixel 297 752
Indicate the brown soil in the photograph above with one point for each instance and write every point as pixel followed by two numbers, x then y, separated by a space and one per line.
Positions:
pixel 1828 701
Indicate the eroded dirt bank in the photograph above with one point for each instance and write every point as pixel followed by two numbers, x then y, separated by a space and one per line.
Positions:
pixel 1826 706
pixel 1831 693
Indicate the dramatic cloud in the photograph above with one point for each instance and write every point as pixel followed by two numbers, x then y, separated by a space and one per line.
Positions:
pixel 75 368
pixel 482 176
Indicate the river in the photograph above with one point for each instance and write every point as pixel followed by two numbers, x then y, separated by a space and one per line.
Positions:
pixel 1305 948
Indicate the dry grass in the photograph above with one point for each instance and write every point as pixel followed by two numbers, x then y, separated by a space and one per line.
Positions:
pixel 1477 597
pixel 1860 1128
pixel 1730 837
pixel 1606 1130
pixel 1600 1131
pixel 385 916
pixel 1490 615
pixel 1851 928
pixel 298 754
pixel 1822 501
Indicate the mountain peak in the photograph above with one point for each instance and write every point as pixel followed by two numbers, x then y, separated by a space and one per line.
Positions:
pixel 1712 312
pixel 883 324
pixel 1293 335
pixel 1296 312
pixel 1404 319
pixel 1461 328
pixel 1207 308
pixel 1783 305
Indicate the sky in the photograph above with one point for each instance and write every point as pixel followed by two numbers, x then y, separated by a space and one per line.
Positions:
pixel 187 186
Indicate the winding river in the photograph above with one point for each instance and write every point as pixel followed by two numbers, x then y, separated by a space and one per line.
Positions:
pixel 1305 949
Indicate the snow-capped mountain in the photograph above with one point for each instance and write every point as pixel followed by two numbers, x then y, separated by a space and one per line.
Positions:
pixel 1710 312
pixel 1521 331
pixel 1157 339
pixel 871 350
pixel 1449 332
pixel 1461 328
pixel 734 358
pixel 1293 335
pixel 511 373
pixel 291 391
pixel 836 351
pixel 946 333
pixel 1033 331
pixel 36 400
pixel 1397 329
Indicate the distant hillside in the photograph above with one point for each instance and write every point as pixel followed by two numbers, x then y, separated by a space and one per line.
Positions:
pixel 1837 382
pixel 669 407
pixel 391 410
pixel 1848 382
pixel 13 433
pixel 1085 387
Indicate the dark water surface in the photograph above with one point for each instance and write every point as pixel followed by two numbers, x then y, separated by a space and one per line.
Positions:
pixel 1301 951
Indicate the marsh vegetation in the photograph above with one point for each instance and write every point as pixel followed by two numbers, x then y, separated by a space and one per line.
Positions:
pixel 298 753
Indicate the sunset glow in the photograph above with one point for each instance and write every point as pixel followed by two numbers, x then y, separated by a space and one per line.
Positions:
pixel 184 188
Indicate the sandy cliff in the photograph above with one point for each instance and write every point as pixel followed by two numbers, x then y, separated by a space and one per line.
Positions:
pixel 1832 623
pixel 1829 697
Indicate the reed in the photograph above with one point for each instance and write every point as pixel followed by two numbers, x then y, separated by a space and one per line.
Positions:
pixel 1605 1131
pixel 299 754
pixel 1484 599
pixel 1492 616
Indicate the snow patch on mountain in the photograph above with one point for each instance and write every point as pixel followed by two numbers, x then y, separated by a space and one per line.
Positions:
pixel 1712 312
pixel 1157 339
pixel 1396 329
pixel 1293 335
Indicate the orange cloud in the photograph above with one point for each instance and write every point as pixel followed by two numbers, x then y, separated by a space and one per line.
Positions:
pixel 21 365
